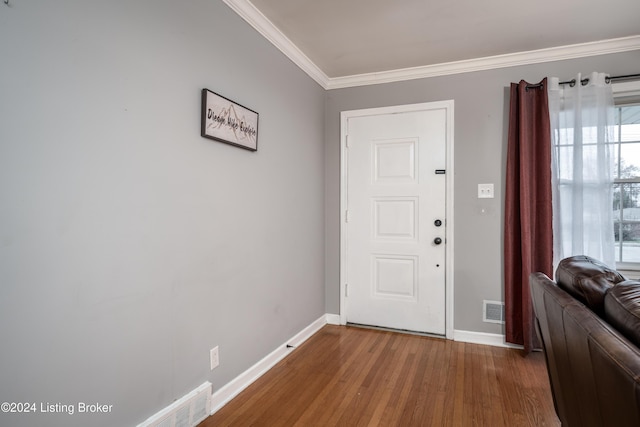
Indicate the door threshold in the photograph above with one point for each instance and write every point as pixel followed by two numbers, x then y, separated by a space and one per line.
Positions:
pixel 400 331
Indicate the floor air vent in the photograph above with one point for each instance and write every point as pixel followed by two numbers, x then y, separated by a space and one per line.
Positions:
pixel 493 311
pixel 187 411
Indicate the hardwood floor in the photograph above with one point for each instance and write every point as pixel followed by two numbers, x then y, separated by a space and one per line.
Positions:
pixel 348 376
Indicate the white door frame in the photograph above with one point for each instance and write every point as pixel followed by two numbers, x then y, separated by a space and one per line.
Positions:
pixel 344 116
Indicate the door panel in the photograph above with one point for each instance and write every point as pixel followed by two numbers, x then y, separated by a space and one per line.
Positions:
pixel 394 218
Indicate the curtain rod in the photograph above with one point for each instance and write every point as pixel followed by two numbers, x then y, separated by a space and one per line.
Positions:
pixel 584 81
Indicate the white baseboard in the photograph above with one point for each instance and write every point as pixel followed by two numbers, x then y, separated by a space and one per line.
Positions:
pixel 496 340
pixel 242 381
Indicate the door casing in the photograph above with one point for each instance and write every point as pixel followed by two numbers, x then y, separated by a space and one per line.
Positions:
pixel 449 174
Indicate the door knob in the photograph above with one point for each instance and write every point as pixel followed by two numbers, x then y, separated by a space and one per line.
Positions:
pixel 437 240
pixel 437 223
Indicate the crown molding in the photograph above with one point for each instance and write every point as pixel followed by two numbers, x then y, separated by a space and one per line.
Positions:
pixel 560 53
pixel 247 11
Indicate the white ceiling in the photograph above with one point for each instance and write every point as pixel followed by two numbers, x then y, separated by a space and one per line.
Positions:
pixel 352 42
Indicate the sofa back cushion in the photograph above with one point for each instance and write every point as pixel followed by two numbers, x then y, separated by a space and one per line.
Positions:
pixel 622 309
pixel 587 280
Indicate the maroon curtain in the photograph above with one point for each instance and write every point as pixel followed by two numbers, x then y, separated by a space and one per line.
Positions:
pixel 528 233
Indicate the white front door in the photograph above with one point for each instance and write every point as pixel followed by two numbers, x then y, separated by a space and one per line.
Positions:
pixel 395 221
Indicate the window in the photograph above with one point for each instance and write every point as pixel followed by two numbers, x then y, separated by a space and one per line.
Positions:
pixel 626 190
pixel 584 198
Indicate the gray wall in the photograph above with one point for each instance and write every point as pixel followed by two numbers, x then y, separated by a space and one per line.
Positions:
pixel 129 245
pixel 481 121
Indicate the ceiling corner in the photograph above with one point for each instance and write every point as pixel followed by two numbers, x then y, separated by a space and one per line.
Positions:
pixel 247 11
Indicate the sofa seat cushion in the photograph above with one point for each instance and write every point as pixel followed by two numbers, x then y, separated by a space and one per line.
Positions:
pixel 587 280
pixel 622 309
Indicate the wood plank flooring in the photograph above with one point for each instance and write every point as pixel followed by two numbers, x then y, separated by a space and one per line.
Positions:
pixel 349 376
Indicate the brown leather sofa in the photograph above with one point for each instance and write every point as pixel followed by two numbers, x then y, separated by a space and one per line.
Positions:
pixel 588 321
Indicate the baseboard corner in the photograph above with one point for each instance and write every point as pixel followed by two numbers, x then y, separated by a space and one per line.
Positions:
pixel 230 390
pixel 333 319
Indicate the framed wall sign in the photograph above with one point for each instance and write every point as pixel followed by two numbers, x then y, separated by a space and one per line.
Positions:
pixel 229 122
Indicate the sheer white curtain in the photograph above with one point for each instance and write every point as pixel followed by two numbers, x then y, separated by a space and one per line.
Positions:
pixel 582 128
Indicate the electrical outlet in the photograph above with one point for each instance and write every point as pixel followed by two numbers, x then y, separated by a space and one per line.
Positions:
pixel 485 191
pixel 213 355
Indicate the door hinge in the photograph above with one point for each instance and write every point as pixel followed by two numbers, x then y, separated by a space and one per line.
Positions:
pixel 346 141
pixel 346 289
pixel 346 215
